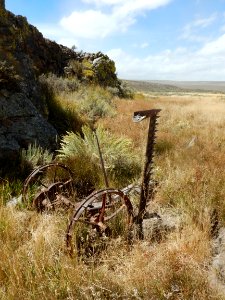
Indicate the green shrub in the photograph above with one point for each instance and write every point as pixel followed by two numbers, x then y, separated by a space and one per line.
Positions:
pixel 95 102
pixel 32 157
pixel 35 155
pixel 104 71
pixel 88 72
pixel 121 162
pixel 67 107
pixel 59 85
pixel 96 68
pixel 74 69
pixel 124 91
pixel 62 114
pixel 8 190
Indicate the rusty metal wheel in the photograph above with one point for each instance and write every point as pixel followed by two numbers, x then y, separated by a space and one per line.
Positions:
pixel 48 187
pixel 107 212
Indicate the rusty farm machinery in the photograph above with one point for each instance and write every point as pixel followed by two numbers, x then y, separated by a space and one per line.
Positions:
pixel 101 207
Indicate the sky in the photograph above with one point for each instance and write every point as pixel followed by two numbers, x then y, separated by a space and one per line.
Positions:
pixel 147 39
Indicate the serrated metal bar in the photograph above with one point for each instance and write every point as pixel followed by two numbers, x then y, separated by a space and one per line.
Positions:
pixel 146 187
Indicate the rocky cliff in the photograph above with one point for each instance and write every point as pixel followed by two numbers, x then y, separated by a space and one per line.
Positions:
pixel 24 55
pixel 2 4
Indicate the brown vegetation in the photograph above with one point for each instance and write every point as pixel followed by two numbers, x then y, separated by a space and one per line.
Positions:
pixel 189 167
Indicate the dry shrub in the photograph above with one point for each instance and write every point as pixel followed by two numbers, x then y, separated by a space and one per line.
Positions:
pixel 94 102
pixel 61 111
pixel 59 85
pixel 70 105
pixel 33 157
pixel 81 153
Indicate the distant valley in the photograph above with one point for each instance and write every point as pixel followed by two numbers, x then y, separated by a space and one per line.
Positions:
pixel 176 86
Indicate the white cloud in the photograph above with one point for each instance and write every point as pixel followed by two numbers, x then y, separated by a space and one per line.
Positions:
pixel 95 23
pixel 208 63
pixel 58 34
pixel 49 30
pixel 191 30
pixel 104 2
pixel 215 47
pixel 69 42
pixel 205 22
pixel 137 6
pixel 144 45
pixel 141 45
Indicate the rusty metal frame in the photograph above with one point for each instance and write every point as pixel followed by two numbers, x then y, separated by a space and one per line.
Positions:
pixel 101 160
pixel 98 202
pixel 146 186
pixel 46 189
pixel 97 210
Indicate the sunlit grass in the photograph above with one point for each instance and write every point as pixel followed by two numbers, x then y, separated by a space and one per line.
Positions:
pixel 189 169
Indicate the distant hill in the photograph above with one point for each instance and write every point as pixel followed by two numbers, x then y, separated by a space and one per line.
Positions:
pixel 156 86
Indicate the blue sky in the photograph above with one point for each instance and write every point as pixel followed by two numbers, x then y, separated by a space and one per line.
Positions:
pixel 148 39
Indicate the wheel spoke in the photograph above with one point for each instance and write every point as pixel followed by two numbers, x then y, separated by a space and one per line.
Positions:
pixel 41 183
pixel 104 216
pixel 55 175
pixel 114 213
pixel 36 181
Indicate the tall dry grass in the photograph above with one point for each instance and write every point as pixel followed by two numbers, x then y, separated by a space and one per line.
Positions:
pixel 190 145
pixel 189 166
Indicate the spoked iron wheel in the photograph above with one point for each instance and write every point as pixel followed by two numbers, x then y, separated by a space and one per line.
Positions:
pixel 48 187
pixel 107 212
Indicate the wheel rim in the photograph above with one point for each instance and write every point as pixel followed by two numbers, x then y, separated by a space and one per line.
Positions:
pixel 93 213
pixel 44 180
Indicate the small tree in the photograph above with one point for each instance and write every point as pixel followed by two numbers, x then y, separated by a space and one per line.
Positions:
pixel 73 47
pixel 105 71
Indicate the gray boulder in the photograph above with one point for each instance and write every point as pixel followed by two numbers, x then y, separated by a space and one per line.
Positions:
pixel 24 56
pixel 20 125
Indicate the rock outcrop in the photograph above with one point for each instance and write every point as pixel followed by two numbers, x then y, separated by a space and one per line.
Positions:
pixel 2 4
pixel 24 55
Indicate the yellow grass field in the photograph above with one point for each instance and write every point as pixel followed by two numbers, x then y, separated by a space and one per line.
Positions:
pixel 186 262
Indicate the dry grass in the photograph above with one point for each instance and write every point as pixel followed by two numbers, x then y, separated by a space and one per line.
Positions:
pixel 190 157
pixel 189 168
pixel 88 102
